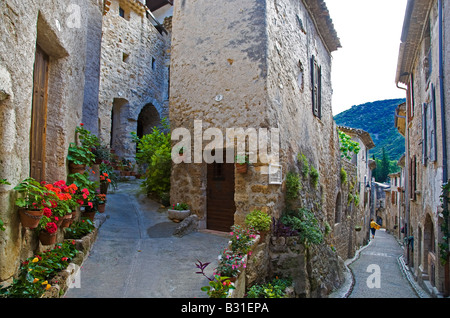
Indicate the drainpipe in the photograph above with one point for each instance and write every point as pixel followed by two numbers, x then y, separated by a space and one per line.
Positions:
pixel 443 126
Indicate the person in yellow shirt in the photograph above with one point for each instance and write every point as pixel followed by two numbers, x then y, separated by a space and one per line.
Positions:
pixel 373 227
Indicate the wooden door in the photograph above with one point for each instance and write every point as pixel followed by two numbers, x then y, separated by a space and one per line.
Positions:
pixel 220 197
pixel 39 116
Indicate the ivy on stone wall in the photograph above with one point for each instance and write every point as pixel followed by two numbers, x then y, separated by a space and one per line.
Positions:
pixel 444 245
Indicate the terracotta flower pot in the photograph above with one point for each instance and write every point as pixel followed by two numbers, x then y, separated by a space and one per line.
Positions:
pixel 47 238
pixel 101 208
pixel 74 168
pixel 241 167
pixel 89 214
pixel 67 220
pixel 30 218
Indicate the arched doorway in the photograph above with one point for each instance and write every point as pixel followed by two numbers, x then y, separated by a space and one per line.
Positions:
pixel 429 249
pixel 147 119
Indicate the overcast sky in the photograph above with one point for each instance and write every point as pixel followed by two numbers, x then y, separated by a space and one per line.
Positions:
pixel 364 68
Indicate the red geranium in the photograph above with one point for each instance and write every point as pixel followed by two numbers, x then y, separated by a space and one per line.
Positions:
pixel 51 227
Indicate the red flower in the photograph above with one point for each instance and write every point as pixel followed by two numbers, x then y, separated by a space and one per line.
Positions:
pixel 81 124
pixel 47 212
pixel 51 227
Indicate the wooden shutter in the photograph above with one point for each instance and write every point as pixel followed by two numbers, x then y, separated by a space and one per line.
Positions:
pixel 432 126
pixel 39 115
pixel 316 83
pixel 424 133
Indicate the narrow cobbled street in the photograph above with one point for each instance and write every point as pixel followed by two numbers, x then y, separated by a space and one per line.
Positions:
pixel 136 255
pixel 378 271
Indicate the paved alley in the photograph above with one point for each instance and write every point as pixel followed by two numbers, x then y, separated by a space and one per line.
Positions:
pixel 377 271
pixel 136 255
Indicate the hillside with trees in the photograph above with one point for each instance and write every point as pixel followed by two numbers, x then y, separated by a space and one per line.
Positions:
pixel 377 118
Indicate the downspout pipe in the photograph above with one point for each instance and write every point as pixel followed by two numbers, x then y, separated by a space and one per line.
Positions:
pixel 443 127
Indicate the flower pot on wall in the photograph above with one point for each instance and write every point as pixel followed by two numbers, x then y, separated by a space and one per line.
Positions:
pixel 101 207
pixel 104 187
pixel 30 218
pixel 67 220
pixel 47 238
pixel 89 214
pixel 241 167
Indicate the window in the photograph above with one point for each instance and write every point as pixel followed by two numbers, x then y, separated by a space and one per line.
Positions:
pixel 125 57
pixel 316 87
pixel 124 13
pixel 153 63
pixel 429 153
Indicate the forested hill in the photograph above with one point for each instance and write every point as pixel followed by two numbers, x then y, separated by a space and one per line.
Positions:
pixel 377 118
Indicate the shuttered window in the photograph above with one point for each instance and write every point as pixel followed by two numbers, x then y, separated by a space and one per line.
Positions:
pixel 429 150
pixel 316 87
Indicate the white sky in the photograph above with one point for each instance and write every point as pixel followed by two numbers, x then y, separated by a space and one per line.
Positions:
pixel 363 70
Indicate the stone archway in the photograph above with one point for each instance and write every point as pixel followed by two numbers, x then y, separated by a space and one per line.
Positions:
pixel 148 118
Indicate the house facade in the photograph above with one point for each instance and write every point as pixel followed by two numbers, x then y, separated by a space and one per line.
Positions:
pixel 421 68
pixel 48 77
pixel 259 79
pixel 134 72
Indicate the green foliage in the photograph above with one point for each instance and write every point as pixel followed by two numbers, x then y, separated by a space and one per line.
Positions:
pixel 314 176
pixel 343 176
pixel 348 146
pixel 79 229
pixel 444 249
pixel 37 270
pixel 384 167
pixel 305 223
pixel 293 185
pixel 303 161
pixel 80 155
pixel 154 150
pixel 377 119
pixel 274 289
pixel 241 239
pixel 32 194
pixel 258 220
pixel 218 287
pixel 230 263
pixel 180 206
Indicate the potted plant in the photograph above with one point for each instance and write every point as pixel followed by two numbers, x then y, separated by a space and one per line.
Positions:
pixel 79 157
pixel 231 264
pixel 47 234
pixel 219 286
pixel 31 202
pixel 242 163
pixel 179 212
pixel 241 239
pixel 101 202
pixel 259 221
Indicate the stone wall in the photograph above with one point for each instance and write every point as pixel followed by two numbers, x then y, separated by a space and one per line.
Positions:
pixel 134 67
pixel 60 29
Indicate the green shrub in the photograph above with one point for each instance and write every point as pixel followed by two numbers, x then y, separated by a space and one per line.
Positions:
pixel 306 224
pixel 154 150
pixel 273 289
pixel 314 176
pixel 258 220
pixel 293 185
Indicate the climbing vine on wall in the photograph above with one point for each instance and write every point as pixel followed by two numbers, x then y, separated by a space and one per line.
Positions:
pixel 348 146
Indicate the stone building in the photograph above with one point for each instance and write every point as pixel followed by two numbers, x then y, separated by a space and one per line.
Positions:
pixel 354 202
pixel 47 78
pixel 134 76
pixel 261 65
pixel 421 66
